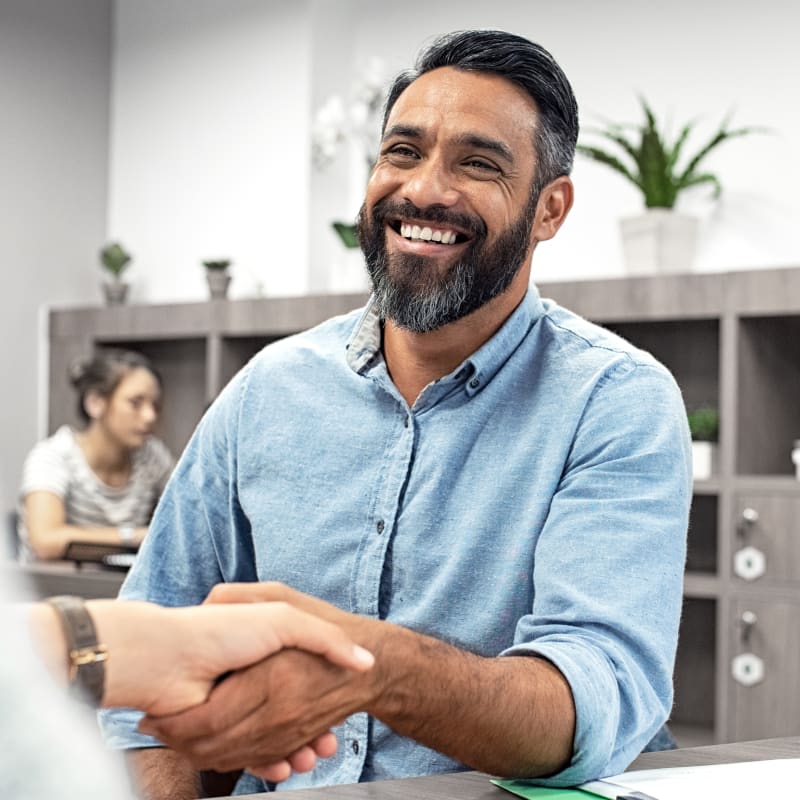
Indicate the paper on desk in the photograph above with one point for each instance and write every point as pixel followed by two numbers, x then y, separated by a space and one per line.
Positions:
pixel 745 780
pixel 527 790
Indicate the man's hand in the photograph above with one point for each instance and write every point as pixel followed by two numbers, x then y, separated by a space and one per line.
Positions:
pixel 273 718
pixel 266 714
pixel 504 716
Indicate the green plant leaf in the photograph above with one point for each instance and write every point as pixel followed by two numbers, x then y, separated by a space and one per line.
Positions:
pixel 704 424
pixel 115 258
pixel 717 139
pixel 654 168
pixel 347 233
pixel 609 160
pixel 706 177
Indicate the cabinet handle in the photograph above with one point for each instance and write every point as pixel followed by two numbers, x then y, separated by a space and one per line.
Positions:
pixel 748 520
pixel 748 621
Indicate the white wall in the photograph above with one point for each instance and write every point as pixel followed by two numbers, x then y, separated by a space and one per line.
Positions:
pixel 54 90
pixel 209 152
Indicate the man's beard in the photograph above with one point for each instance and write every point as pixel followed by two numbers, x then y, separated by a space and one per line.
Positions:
pixel 409 290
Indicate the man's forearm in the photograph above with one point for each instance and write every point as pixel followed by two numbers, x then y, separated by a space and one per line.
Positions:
pixel 162 774
pixel 510 716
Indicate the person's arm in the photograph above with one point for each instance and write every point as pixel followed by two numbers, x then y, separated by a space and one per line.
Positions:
pixel 505 716
pixel 49 534
pixel 163 660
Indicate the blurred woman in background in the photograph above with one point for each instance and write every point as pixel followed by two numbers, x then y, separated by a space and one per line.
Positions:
pixel 99 484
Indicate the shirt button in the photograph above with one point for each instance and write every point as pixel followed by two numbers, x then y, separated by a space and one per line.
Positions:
pixel 354 745
pixel 405 421
pixel 380 526
pixel 475 383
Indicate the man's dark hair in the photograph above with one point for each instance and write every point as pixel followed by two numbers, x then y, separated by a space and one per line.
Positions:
pixel 524 63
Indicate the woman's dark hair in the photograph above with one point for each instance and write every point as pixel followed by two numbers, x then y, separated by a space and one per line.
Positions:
pixel 524 63
pixel 102 372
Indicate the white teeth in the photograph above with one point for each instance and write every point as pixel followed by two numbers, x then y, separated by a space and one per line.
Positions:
pixel 427 234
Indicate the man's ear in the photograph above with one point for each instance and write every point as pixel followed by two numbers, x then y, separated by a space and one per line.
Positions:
pixel 554 204
pixel 94 404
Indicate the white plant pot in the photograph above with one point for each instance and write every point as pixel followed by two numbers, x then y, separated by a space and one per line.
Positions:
pixel 704 460
pixel 218 282
pixel 659 241
pixel 114 291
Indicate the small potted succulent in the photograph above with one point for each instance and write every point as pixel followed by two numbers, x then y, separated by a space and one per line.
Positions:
pixel 114 260
pixel 218 277
pixel 660 240
pixel 704 429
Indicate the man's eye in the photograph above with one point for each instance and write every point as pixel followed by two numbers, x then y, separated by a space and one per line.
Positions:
pixel 480 165
pixel 401 151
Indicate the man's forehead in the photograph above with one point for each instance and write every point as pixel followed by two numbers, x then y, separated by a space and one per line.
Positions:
pixel 476 98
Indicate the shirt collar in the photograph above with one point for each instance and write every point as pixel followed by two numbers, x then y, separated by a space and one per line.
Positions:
pixel 364 346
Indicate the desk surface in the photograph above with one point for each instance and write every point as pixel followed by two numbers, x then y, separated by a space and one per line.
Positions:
pixel 476 786
pixel 48 578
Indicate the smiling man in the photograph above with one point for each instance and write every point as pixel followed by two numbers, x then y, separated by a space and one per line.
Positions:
pixel 486 491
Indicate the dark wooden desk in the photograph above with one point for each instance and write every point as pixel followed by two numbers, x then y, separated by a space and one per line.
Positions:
pixel 48 578
pixel 476 786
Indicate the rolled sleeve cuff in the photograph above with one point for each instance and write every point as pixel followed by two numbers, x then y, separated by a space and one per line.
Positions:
pixel 596 714
pixel 119 729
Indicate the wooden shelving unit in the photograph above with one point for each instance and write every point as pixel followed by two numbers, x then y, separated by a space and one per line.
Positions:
pixel 732 340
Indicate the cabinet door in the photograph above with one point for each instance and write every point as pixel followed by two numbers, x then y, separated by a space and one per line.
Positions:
pixel 767 538
pixel 764 672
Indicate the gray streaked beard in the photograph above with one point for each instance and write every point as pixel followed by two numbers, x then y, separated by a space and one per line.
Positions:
pixel 416 297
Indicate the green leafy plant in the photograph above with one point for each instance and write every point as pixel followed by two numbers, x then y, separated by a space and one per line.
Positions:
pixel 347 233
pixel 654 169
pixel 704 424
pixel 115 258
pixel 217 264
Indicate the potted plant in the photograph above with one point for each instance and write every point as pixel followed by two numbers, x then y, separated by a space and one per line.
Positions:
pixel 356 121
pixel 661 240
pixel 704 429
pixel 218 277
pixel 115 259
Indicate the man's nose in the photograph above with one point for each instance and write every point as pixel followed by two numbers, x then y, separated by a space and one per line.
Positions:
pixel 430 183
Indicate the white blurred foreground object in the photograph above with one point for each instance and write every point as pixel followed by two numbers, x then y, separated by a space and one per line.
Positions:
pixel 741 781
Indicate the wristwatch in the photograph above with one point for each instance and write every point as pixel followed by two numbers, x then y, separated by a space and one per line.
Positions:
pixel 127 533
pixel 86 656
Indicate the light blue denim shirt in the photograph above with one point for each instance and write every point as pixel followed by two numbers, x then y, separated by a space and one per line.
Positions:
pixel 534 501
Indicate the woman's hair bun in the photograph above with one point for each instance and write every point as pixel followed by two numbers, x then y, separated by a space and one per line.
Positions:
pixel 77 369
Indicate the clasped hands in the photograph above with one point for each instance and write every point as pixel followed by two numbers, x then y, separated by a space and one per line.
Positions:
pixel 275 716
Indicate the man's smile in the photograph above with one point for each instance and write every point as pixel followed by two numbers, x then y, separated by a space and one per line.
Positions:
pixel 421 232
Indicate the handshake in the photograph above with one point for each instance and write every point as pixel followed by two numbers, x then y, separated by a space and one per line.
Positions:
pixel 252 679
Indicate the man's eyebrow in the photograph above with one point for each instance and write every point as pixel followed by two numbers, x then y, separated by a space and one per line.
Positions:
pixel 464 140
pixel 485 143
pixel 410 131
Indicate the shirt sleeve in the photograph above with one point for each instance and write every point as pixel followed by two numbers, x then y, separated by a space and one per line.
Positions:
pixel 198 537
pixel 45 470
pixel 608 573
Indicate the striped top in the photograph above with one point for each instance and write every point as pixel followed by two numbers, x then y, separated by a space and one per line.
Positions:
pixel 58 465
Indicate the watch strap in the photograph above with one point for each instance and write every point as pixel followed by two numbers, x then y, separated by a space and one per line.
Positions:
pixel 86 656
